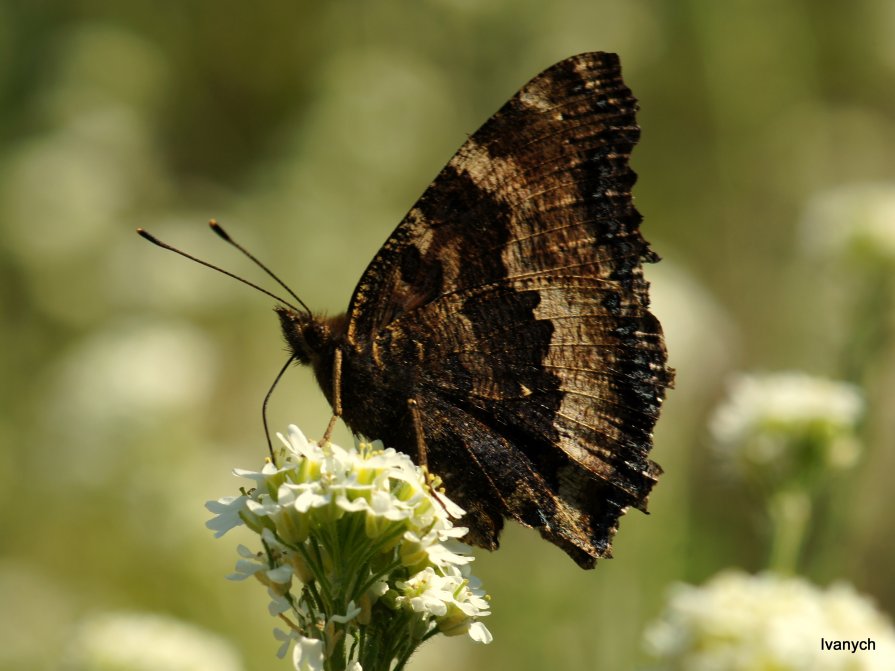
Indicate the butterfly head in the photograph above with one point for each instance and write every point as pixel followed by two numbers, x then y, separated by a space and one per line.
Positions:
pixel 309 337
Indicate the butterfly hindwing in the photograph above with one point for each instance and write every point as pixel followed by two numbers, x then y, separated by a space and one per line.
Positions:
pixel 537 386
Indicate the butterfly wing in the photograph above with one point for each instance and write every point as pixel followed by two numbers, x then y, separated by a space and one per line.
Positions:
pixel 513 292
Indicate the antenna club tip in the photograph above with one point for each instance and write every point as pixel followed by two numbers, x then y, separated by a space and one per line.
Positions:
pixel 216 227
pixel 143 233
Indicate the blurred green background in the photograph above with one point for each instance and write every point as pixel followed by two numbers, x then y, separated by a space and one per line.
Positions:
pixel 132 380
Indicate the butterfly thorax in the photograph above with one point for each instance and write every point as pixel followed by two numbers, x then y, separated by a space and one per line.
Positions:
pixel 373 399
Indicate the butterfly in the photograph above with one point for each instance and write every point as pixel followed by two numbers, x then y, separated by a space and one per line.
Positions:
pixel 502 333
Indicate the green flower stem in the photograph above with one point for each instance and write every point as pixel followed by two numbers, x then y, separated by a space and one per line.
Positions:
pixel 871 330
pixel 403 644
pixel 790 511
pixel 378 576
pixel 376 652
pixel 337 661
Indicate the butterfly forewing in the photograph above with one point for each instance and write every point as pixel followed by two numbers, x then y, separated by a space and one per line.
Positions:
pixel 510 306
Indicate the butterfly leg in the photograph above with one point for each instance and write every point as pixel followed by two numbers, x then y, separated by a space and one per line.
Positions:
pixel 337 396
pixel 414 408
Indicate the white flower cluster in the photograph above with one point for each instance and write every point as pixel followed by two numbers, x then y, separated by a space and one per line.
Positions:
pixel 787 422
pixel 856 220
pixel 133 641
pixel 740 622
pixel 368 537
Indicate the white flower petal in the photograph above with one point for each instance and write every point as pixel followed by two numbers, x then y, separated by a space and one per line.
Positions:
pixel 226 511
pixel 281 574
pixel 479 633
pixel 297 440
pixel 307 655
pixel 287 637
pixel 449 506
pixel 353 612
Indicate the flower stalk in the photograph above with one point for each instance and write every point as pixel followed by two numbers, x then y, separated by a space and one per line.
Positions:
pixel 789 512
pixel 787 435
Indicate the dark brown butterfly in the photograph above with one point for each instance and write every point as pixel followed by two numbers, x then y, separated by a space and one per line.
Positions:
pixel 502 333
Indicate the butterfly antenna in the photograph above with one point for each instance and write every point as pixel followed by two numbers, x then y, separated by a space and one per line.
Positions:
pixel 158 243
pixel 217 228
pixel 264 404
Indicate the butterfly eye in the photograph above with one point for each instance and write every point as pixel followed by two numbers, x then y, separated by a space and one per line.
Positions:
pixel 316 336
pixel 294 326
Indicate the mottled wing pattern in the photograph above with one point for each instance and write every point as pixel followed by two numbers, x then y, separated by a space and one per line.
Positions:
pixel 513 293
